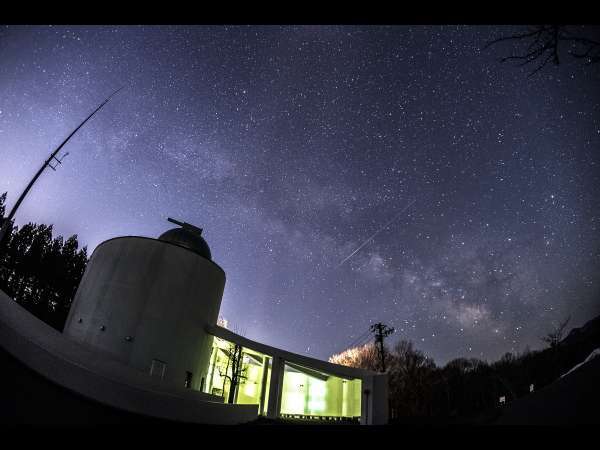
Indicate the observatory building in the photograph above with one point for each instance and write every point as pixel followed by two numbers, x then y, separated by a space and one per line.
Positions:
pixel 142 336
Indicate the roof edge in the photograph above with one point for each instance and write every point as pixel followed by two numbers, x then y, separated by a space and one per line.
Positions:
pixel 313 363
pixel 161 242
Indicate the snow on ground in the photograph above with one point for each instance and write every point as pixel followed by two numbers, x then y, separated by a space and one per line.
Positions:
pixel 591 356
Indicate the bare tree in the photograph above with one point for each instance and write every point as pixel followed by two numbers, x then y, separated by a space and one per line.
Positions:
pixel 554 337
pixel 364 357
pixel 411 374
pixel 234 370
pixel 542 44
pixel 235 362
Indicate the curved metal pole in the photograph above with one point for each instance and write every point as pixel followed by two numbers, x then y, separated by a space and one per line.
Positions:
pixel 8 219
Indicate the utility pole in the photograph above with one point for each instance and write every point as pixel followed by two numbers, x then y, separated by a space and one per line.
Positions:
pixel 381 332
pixel 48 163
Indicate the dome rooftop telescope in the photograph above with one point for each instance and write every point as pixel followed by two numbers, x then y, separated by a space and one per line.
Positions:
pixel 187 236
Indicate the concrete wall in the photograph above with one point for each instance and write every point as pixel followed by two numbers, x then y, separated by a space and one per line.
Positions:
pixel 374 404
pixel 96 376
pixel 142 299
pixel 379 399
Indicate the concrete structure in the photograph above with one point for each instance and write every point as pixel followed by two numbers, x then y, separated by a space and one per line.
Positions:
pixel 369 405
pixel 98 380
pixel 143 329
pixel 146 302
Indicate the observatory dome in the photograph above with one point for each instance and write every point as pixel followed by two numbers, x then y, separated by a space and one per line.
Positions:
pixel 188 239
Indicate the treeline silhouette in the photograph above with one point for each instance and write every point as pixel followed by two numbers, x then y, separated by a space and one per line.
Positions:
pixel 40 272
pixel 468 389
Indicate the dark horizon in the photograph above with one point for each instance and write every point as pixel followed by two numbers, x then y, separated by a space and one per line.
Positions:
pixel 343 175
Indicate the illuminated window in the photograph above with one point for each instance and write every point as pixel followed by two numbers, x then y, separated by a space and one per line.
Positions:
pixel 307 392
pixel 252 385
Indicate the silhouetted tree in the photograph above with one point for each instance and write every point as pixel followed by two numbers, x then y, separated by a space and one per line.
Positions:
pixel 234 370
pixel 469 388
pixel 364 357
pixel 554 337
pixel 544 44
pixel 410 377
pixel 40 272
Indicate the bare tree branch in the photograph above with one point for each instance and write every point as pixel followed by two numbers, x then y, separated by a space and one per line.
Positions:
pixel 534 32
pixel 540 67
pixel 554 337
pixel 543 43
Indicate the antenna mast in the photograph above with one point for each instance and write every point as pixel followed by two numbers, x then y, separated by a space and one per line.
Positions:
pixel 48 163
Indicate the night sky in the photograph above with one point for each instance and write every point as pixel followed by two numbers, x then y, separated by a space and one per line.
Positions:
pixel 292 146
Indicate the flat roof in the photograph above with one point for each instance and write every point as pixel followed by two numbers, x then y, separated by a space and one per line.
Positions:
pixel 307 361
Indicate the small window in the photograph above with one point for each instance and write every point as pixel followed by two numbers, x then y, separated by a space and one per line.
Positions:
pixel 188 380
pixel 158 368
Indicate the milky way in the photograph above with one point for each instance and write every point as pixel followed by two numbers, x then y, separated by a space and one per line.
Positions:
pixel 291 145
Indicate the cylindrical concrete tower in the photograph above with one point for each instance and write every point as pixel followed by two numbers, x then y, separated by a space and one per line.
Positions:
pixel 146 302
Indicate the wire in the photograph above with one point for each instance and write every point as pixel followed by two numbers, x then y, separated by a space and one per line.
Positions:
pixel 364 341
pixel 358 341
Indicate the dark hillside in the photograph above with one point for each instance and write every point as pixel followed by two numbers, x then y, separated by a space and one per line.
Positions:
pixel 572 400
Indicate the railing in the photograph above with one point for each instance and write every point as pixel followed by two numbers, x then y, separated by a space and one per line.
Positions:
pixel 320 418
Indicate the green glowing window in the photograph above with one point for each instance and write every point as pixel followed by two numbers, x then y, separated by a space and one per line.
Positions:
pixel 307 392
pixel 252 377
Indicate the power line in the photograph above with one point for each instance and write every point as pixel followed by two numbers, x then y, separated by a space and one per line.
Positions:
pixel 365 340
pixel 356 340
pixel 359 340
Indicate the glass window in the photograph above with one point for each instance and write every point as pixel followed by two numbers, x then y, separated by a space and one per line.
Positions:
pixel 251 379
pixel 307 392
pixel 158 368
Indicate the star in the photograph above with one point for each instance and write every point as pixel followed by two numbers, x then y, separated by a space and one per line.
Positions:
pixel 292 145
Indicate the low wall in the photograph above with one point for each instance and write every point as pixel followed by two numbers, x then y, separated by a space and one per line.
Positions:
pixel 96 376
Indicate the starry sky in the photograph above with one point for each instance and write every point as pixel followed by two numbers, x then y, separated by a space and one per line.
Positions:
pixel 469 189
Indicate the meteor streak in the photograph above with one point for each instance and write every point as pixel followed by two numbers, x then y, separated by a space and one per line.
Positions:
pixel 376 233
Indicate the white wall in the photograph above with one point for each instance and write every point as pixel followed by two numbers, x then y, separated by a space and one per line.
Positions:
pixel 96 376
pixel 158 294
